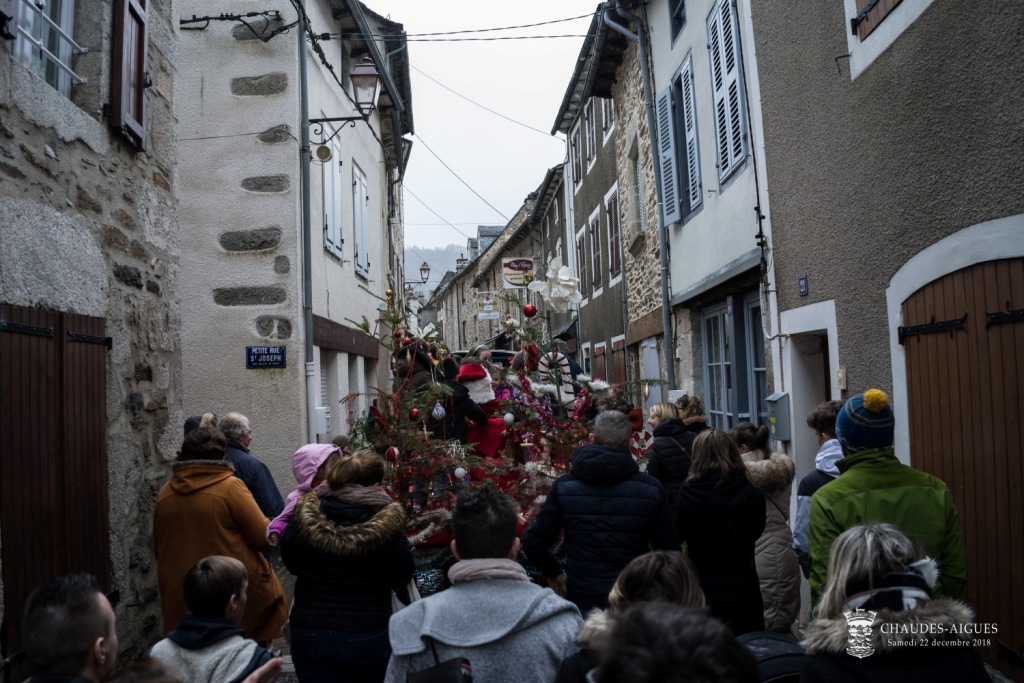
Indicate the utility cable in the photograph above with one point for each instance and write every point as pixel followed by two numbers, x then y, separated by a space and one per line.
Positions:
pixel 427 207
pixel 518 123
pixel 460 180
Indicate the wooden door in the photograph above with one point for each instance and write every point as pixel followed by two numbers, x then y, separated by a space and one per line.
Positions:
pixel 963 336
pixel 54 516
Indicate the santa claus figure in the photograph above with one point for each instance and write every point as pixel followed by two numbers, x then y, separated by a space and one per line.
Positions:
pixel 477 380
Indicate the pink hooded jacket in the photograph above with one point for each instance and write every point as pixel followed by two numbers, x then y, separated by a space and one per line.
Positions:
pixel 305 462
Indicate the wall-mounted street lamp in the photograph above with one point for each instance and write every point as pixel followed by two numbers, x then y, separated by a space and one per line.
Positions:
pixel 410 292
pixel 366 85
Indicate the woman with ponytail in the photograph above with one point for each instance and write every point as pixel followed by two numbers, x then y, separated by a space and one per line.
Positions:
pixel 347 547
pixel 777 568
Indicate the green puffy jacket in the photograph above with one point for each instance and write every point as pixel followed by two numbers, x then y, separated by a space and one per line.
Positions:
pixel 874 487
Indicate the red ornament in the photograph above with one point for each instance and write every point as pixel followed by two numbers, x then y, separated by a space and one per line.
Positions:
pixel 529 310
pixel 414 414
pixel 406 341
pixel 398 334
pixel 392 454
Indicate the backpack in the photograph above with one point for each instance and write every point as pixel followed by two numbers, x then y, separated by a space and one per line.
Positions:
pixel 780 658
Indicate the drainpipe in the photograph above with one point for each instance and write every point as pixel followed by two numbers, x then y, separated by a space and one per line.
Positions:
pixel 640 39
pixel 305 159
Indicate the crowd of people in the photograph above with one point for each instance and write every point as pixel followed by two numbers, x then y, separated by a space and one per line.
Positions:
pixel 647 576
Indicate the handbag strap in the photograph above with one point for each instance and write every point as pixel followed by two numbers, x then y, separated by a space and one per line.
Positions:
pixel 680 446
pixel 433 648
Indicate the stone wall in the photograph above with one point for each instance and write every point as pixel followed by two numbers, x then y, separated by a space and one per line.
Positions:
pixel 90 226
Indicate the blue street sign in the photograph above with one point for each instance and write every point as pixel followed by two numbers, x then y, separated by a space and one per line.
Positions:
pixel 265 356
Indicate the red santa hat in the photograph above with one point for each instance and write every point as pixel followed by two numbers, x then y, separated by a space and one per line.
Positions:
pixel 475 377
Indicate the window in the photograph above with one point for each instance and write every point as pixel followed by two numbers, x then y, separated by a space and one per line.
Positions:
pixel 360 200
pixel 756 362
pixel 591 126
pixel 577 156
pixel 611 207
pixel 870 14
pixel 607 115
pixel 585 360
pixel 581 260
pixel 717 369
pixel 595 246
pixel 873 25
pixel 735 370
pixel 332 201
pixel 677 16
pixel 44 43
pixel 641 194
pixel 727 88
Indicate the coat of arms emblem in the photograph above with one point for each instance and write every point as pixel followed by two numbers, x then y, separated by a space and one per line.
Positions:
pixel 859 623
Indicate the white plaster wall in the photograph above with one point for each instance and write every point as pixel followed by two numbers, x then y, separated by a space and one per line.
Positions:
pixel 723 230
pixel 212 201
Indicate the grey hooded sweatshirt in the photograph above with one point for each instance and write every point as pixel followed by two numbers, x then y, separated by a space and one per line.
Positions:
pixel 508 629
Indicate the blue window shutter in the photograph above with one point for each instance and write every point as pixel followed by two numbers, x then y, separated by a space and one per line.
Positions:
pixel 667 155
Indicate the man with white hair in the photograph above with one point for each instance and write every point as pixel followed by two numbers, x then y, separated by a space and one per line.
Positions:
pixel 252 472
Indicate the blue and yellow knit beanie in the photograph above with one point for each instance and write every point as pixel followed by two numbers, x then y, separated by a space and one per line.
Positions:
pixel 866 421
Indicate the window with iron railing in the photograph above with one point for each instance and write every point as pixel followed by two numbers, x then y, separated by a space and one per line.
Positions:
pixel 44 43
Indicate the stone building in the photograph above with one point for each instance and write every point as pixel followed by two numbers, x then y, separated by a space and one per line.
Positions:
pixel 593 237
pixel 894 139
pixel 242 209
pixel 549 216
pixel 90 412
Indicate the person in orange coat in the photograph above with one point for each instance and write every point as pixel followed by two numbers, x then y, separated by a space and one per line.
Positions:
pixel 205 510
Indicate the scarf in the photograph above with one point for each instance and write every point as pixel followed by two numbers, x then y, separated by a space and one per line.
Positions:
pixel 486 568
pixel 373 497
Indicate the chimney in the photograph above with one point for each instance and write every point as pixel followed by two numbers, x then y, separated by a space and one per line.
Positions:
pixel 460 263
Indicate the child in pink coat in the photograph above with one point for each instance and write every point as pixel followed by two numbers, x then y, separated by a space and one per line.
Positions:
pixel 309 464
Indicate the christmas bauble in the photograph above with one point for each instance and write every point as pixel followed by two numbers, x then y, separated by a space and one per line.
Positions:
pixel 392 454
pixel 388 293
pixel 509 418
pixel 529 310
pixel 460 472
pixel 398 334
pixel 406 341
pixel 414 414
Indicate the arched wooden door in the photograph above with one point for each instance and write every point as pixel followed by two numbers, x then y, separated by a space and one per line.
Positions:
pixel 963 336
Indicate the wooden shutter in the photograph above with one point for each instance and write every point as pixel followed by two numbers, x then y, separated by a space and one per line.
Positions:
pixel 595 244
pixel 614 237
pixel 581 260
pixel 359 221
pixel 870 14
pixel 53 473
pixel 693 193
pixel 577 161
pixel 128 87
pixel 332 201
pixel 723 42
pixel 667 158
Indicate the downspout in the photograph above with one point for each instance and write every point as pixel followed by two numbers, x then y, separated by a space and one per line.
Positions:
pixel 305 159
pixel 640 39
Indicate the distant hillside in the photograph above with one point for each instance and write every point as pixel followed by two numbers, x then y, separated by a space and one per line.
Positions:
pixel 441 260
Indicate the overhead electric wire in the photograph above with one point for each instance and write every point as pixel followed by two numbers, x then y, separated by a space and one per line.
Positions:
pixel 427 207
pixel 519 123
pixel 502 28
pixel 460 180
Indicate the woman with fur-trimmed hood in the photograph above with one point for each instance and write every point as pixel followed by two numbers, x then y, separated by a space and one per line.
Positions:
pixel 777 568
pixel 347 547
pixel 881 571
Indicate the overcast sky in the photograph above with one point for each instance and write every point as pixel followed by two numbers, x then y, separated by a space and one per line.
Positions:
pixel 524 80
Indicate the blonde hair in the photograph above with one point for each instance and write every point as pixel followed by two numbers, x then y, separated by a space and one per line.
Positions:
pixel 716 454
pixel 664 411
pixel 691 409
pixel 364 468
pixel 860 555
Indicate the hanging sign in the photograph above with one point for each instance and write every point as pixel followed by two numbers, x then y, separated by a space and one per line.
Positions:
pixel 265 356
pixel 516 272
pixel 488 308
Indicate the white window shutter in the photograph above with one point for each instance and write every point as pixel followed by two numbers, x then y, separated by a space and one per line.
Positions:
pixel 359 199
pixel 595 246
pixel 693 190
pixel 667 155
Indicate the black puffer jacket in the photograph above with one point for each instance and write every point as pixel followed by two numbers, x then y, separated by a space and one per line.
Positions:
pixel 691 428
pixel 720 524
pixel 347 559
pixel 610 512
pixel 669 463
pixel 457 407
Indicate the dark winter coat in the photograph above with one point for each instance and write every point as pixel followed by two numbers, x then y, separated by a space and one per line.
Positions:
pixel 413 369
pixel 610 513
pixel 897 656
pixel 669 462
pixel 457 407
pixel 691 428
pixel 721 525
pixel 257 479
pixel 347 560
